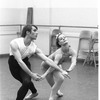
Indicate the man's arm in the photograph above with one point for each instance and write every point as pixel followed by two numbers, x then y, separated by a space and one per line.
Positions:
pixel 17 56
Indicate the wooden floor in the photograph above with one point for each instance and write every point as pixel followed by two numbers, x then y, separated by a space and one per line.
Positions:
pixel 83 84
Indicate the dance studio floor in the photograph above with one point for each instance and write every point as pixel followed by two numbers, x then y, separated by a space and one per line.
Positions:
pixel 83 84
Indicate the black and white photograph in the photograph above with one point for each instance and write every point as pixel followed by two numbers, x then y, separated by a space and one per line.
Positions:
pixel 49 50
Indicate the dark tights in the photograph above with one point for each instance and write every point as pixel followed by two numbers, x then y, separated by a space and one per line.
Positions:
pixel 21 76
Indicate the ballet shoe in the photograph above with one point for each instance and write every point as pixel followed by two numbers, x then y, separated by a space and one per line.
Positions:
pixel 31 96
pixel 59 93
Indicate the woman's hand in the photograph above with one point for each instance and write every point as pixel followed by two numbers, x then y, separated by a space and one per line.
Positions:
pixel 43 76
pixel 65 74
pixel 36 77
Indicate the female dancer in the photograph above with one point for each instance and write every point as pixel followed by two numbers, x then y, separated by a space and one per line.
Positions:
pixel 63 51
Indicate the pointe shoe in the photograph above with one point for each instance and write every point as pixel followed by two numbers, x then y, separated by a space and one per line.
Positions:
pixel 59 93
pixel 31 96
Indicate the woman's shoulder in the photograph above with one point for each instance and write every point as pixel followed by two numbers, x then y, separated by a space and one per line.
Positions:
pixel 58 50
pixel 58 53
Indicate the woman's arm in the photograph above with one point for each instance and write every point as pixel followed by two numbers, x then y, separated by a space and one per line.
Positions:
pixel 73 61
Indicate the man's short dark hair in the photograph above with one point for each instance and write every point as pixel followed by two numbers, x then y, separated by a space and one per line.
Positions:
pixel 27 28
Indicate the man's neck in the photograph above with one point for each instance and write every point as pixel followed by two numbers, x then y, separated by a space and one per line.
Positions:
pixel 27 41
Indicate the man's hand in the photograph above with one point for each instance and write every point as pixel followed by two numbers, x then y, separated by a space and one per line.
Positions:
pixel 36 77
pixel 65 74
